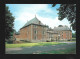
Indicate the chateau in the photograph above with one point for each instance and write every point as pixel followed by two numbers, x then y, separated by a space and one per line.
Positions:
pixel 35 31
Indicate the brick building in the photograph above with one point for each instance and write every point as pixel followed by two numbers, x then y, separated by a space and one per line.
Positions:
pixel 62 33
pixel 35 31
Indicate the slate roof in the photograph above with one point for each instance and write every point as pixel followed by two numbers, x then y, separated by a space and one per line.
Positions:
pixel 61 28
pixel 32 21
pixel 55 32
pixel 17 33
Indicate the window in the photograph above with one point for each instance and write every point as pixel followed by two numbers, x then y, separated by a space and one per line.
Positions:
pixel 56 38
pixel 35 37
pixel 58 32
pixel 69 35
pixel 42 37
pixel 66 36
pixel 27 32
pixel 43 27
pixel 35 26
pixel 62 36
pixel 35 32
pixel 66 33
pixel 43 32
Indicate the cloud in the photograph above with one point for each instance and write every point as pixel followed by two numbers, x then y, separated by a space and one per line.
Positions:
pixel 53 22
pixel 25 12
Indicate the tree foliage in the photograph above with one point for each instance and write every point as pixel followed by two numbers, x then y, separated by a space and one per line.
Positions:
pixel 9 19
pixel 74 35
pixel 67 11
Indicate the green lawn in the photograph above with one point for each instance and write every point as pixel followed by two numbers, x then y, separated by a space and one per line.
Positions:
pixel 66 51
pixel 31 44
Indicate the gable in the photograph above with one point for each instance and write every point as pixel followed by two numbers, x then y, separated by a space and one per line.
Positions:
pixel 33 21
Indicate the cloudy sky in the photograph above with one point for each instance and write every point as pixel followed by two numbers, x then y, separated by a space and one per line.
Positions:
pixel 44 12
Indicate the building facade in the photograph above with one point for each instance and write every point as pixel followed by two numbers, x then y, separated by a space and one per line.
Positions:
pixel 35 31
pixel 62 33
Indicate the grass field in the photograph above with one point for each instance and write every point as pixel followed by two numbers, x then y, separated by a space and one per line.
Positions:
pixel 66 51
pixel 31 44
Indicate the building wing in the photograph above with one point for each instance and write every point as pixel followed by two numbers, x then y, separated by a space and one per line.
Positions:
pixel 61 28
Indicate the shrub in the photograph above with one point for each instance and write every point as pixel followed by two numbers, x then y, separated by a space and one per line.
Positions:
pixel 52 40
pixel 47 40
pixel 10 41
pixel 25 41
pixel 69 40
pixel 73 39
pixel 5 42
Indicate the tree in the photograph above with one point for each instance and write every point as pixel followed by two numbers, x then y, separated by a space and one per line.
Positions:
pixel 67 11
pixel 9 19
pixel 74 35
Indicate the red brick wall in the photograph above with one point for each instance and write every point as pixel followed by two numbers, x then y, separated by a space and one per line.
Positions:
pixel 28 32
pixel 55 36
pixel 70 35
pixel 39 32
pixel 65 33
pixel 25 33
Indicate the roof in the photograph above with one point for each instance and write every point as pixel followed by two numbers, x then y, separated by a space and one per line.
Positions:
pixel 49 30
pixel 17 33
pixel 55 32
pixel 33 21
pixel 61 28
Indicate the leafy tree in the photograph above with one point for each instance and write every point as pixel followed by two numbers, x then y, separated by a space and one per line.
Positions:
pixel 9 19
pixel 74 35
pixel 67 11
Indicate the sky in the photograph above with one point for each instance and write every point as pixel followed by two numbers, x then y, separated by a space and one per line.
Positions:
pixel 44 12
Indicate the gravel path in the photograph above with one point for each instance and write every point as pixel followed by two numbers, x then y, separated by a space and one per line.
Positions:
pixel 37 49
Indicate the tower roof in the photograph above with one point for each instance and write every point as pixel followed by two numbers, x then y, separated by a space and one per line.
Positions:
pixel 33 21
